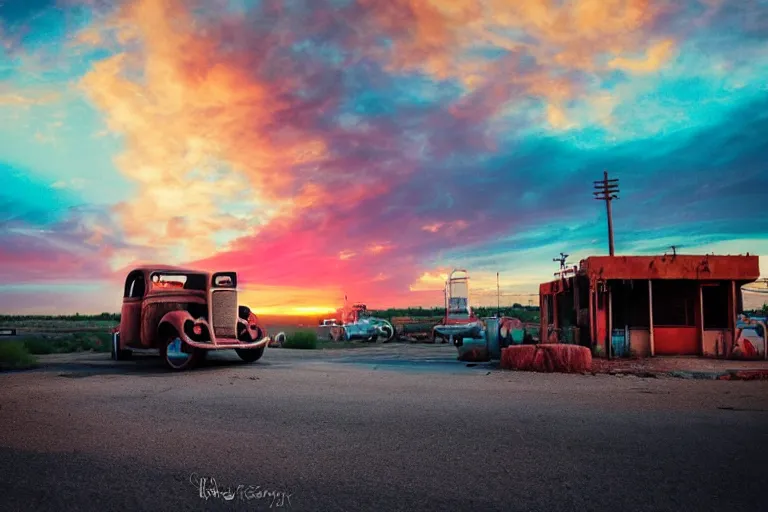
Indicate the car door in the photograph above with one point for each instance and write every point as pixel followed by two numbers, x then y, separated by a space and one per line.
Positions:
pixel 130 317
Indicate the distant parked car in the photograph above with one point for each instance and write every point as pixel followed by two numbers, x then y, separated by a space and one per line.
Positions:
pixel 184 314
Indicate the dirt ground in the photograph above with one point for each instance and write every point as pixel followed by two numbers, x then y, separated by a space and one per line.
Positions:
pixel 678 364
pixel 386 427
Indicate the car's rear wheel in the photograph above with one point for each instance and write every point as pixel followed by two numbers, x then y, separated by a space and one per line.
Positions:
pixel 117 354
pixel 178 355
pixel 388 333
pixel 250 355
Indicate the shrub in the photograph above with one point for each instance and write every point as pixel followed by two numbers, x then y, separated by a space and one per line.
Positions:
pixel 302 340
pixel 95 341
pixel 14 356
pixel 39 346
pixel 76 342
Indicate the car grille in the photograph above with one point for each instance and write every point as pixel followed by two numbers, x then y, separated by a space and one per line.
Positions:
pixel 224 312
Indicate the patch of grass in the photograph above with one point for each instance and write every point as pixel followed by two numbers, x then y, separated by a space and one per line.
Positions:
pixel 301 340
pixel 67 343
pixel 15 356
pixel 59 326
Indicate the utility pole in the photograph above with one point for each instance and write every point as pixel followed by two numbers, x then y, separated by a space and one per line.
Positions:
pixel 445 295
pixel 607 190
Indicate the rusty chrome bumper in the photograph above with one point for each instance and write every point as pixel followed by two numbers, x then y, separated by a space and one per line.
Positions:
pixel 213 345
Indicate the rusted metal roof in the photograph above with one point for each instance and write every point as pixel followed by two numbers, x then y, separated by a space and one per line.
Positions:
pixel 745 268
pixel 680 266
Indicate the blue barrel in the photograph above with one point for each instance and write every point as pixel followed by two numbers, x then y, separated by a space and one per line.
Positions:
pixel 619 343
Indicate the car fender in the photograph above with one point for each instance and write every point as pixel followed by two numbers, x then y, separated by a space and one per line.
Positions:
pixel 252 326
pixel 176 320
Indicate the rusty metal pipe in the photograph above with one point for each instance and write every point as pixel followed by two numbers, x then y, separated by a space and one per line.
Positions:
pixel 609 343
pixel 650 319
pixel 592 314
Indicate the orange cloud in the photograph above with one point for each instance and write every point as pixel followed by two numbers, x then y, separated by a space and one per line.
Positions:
pixel 378 248
pixel 191 112
pixel 446 227
pixel 430 281
pixel 557 118
pixel 436 37
pixel 14 99
pixel 656 56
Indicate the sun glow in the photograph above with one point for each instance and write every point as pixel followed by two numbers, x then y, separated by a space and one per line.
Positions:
pixel 307 311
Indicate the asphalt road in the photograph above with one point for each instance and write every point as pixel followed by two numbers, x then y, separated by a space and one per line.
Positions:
pixel 383 428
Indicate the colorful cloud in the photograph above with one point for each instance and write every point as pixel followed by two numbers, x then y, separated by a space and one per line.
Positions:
pixel 354 147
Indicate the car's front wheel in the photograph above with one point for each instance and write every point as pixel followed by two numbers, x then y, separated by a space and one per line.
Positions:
pixel 178 355
pixel 388 333
pixel 280 339
pixel 250 355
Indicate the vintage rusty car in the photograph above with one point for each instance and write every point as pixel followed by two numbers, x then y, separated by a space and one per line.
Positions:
pixel 183 314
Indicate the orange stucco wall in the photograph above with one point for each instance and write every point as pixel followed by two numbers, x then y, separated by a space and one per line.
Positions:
pixel 640 342
pixel 716 342
pixel 676 340
pixel 601 322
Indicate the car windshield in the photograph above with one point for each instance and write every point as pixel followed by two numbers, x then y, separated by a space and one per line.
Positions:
pixel 164 281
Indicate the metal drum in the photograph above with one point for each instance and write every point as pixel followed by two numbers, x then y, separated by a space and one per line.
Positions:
pixel 472 349
pixel 492 337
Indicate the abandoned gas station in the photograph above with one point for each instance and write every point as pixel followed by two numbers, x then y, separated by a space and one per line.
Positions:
pixel 623 306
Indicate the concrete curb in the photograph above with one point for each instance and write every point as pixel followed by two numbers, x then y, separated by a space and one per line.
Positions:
pixel 684 374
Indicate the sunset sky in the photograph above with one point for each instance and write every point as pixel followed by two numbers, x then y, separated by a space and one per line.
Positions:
pixel 366 147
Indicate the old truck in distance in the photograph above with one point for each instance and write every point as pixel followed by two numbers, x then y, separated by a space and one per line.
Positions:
pixel 356 323
pixel 183 314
